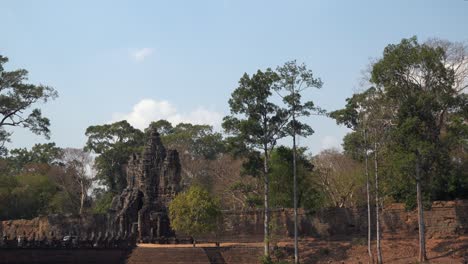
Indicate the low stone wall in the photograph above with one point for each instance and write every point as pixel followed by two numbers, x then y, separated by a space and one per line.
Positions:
pixel 445 219
pixel 55 226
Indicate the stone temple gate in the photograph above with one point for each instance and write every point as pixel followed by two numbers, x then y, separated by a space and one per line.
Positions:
pixel 153 179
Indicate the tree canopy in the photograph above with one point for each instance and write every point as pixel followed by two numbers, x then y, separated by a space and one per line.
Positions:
pixel 194 212
pixel 17 97
pixel 114 143
pixel 281 196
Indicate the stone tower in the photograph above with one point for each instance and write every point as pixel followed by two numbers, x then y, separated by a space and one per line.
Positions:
pixel 153 179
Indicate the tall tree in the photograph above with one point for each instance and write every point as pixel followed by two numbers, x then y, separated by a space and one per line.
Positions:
pixel 113 143
pixel 355 117
pixel 259 123
pixel 422 88
pixel 17 97
pixel 79 165
pixel 293 81
pixel 379 115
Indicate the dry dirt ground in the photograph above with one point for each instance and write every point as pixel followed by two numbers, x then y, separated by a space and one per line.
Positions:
pixel 396 250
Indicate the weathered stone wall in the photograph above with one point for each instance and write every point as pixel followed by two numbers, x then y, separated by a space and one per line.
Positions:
pixel 55 226
pixel 153 180
pixel 444 219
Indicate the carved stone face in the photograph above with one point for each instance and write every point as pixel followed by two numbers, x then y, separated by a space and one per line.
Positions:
pixel 153 180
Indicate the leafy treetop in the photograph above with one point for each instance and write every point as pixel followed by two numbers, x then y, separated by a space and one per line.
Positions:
pixel 194 212
pixel 17 97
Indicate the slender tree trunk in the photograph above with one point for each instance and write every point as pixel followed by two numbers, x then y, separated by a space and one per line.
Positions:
pixel 296 246
pixel 369 231
pixel 377 209
pixel 266 223
pixel 422 238
pixel 83 197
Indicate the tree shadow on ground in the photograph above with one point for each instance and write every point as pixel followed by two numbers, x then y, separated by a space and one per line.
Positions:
pixel 451 248
pixel 325 251
pixel 402 250
pixel 214 255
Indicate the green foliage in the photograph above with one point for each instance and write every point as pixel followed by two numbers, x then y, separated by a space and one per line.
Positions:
pixel 252 164
pixel 249 191
pixel 256 122
pixel 281 188
pixel 279 254
pixel 353 145
pixel 266 260
pixel 194 212
pixel 416 116
pixel 114 143
pixel 293 80
pixel 351 116
pixel 40 181
pixel 39 154
pixel 361 115
pixel 418 72
pixel 102 201
pixel 420 87
pixel 62 202
pixel 25 196
pixel 199 147
pixel 163 127
pixel 241 186
pixel 7 184
pixel 263 121
pixel 16 99
pixel 198 140
pixel 254 200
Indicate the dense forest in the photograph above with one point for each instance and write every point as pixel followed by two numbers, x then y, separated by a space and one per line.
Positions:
pixel 408 127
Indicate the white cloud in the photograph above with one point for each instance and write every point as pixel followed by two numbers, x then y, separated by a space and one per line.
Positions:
pixel 148 110
pixel 142 54
pixel 329 142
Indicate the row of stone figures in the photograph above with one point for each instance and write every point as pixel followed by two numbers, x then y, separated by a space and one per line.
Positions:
pixel 108 240
pixel 167 240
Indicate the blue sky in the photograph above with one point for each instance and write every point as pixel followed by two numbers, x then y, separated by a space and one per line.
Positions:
pixel 180 60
